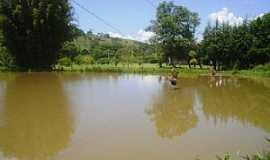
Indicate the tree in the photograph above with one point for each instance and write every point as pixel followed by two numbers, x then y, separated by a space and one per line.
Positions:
pixel 77 32
pixel 34 30
pixel 237 47
pixel 70 50
pixel 174 30
pixel 260 51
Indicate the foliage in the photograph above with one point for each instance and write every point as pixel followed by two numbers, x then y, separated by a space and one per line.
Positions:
pixel 76 32
pixel 6 60
pixel 265 67
pixel 243 46
pixel 259 156
pixel 34 31
pixel 103 61
pixel 69 50
pixel 174 30
pixel 105 49
pixel 193 61
pixel 192 54
pixel 84 59
pixel 65 61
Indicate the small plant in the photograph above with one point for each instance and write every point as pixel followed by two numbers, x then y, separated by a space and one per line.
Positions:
pixel 265 67
pixel 65 61
pixel 258 156
pixel 6 60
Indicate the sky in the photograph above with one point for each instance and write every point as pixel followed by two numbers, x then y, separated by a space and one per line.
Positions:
pixel 131 17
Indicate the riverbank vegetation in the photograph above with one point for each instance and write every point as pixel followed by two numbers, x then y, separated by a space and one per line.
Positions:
pixel 265 155
pixel 242 49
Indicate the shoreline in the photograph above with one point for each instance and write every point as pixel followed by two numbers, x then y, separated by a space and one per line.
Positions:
pixel 149 69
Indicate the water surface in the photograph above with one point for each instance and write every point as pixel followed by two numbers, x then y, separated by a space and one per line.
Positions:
pixel 67 116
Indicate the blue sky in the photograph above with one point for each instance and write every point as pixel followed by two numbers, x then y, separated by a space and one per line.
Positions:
pixel 131 17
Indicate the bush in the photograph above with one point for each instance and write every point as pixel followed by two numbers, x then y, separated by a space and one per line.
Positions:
pixel 264 68
pixel 69 50
pixel 103 61
pixel 6 60
pixel 84 59
pixel 65 61
pixel 193 61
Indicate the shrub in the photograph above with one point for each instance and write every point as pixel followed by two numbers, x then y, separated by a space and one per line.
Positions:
pixel 84 59
pixel 6 60
pixel 193 61
pixel 103 61
pixel 65 61
pixel 265 67
pixel 69 50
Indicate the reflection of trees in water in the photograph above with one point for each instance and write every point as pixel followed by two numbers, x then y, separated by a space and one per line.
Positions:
pixel 223 99
pixel 38 123
pixel 241 99
pixel 172 112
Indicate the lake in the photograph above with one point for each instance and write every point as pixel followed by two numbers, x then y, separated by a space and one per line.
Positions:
pixel 87 116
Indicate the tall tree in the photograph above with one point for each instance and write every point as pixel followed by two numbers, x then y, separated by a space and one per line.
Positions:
pixel 260 51
pixel 34 30
pixel 174 28
pixel 239 46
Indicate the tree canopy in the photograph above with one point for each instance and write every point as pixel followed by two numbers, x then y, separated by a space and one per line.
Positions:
pixel 240 46
pixel 35 30
pixel 174 28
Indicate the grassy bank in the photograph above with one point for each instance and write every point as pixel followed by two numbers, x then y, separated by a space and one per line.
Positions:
pixel 183 70
pixel 133 68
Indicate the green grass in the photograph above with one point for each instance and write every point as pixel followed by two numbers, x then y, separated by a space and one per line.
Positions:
pixel 133 68
pixel 184 71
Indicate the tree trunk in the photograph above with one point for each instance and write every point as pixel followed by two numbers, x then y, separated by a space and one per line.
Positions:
pixel 160 64
pixel 215 65
pixel 200 64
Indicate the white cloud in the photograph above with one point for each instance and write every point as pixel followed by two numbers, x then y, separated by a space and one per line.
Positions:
pixel 260 15
pixel 141 35
pixel 226 16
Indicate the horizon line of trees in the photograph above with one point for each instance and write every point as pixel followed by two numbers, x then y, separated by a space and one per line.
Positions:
pixel 224 46
pixel 36 34
pixel 241 46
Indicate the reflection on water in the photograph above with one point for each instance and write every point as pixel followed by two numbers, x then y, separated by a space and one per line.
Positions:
pixel 240 99
pixel 110 116
pixel 222 99
pixel 37 120
pixel 172 112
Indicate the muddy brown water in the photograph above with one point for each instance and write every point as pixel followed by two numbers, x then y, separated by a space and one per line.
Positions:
pixel 75 116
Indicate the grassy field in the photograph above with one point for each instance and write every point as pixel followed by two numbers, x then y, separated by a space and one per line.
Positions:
pixel 183 70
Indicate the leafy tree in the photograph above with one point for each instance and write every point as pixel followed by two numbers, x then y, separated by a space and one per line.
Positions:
pixel 174 30
pixel 76 32
pixel 69 50
pixel 260 29
pixel 34 30
pixel 237 47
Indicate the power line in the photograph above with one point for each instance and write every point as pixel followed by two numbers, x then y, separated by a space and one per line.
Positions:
pixel 97 17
